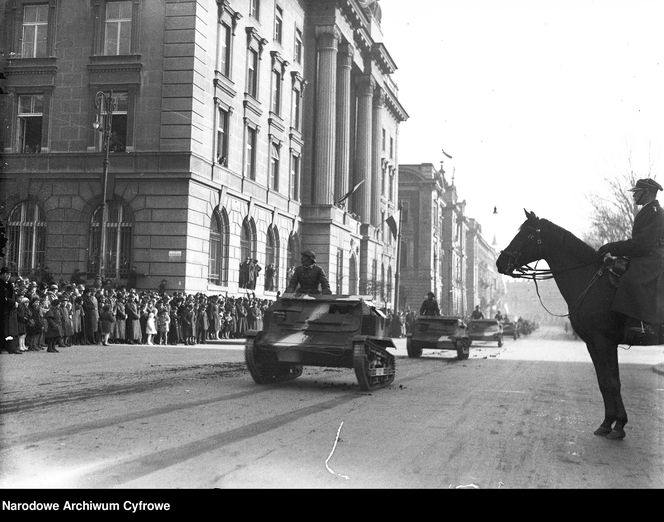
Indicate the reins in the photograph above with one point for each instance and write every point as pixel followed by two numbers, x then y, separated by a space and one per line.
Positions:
pixel 542 274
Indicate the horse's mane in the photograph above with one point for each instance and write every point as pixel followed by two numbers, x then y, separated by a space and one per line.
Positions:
pixel 578 247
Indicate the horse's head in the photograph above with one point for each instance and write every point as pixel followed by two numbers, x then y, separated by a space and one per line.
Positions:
pixel 524 248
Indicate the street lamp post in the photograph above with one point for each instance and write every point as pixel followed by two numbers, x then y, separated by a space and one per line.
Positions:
pixel 104 125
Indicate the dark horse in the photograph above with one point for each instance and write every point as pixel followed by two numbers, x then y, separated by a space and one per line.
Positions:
pixel 575 267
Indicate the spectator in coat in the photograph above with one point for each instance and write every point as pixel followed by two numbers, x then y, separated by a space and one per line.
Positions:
pixel 34 326
pixel 91 309
pixel 54 329
pixel 8 314
pixel 106 321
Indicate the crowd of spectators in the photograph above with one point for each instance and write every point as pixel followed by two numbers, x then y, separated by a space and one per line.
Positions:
pixel 37 316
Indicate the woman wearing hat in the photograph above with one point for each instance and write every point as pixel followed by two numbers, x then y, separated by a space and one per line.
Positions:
pixel 640 294
pixel 54 329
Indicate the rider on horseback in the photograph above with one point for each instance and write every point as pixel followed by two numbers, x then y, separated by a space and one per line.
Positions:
pixel 640 294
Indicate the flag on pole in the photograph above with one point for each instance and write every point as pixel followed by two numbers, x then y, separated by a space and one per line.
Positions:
pixel 392 222
pixel 350 193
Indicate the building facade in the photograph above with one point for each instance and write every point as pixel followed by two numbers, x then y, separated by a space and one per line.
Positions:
pixel 485 286
pixel 442 250
pixel 236 128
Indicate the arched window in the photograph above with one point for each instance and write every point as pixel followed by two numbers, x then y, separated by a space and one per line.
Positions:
pixel 219 248
pixel 272 258
pixel 352 275
pixel 26 234
pixel 248 239
pixel 117 240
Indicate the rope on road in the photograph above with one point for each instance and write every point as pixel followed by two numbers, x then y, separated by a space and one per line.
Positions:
pixel 332 452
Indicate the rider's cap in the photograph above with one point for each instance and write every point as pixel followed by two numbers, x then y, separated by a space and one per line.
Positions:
pixel 309 254
pixel 646 184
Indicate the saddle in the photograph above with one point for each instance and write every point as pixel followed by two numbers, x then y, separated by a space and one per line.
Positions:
pixel 635 333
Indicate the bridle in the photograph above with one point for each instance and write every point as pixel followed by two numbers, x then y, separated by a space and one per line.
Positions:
pixel 525 271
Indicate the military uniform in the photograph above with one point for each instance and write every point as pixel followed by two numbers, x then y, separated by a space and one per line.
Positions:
pixel 429 307
pixel 306 280
pixel 640 293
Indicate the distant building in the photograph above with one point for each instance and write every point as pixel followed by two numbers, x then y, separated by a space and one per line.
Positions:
pixel 484 285
pixel 521 300
pixel 442 250
pixel 238 126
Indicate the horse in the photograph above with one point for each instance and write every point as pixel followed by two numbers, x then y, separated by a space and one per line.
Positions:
pixel 580 276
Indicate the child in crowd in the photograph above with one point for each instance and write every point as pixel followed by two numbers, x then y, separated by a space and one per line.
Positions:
pixel 163 323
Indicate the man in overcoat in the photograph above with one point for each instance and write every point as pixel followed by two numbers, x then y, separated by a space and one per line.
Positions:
pixel 8 314
pixel 430 305
pixel 308 277
pixel 640 293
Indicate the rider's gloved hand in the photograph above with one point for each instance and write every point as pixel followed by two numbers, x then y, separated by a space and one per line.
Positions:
pixel 604 249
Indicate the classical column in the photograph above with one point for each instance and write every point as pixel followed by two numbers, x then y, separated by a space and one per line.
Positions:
pixel 344 63
pixel 376 152
pixel 363 138
pixel 325 123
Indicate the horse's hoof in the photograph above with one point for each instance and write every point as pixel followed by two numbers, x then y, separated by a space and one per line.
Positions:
pixel 618 434
pixel 602 431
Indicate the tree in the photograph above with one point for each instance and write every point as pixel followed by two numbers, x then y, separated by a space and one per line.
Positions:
pixel 612 219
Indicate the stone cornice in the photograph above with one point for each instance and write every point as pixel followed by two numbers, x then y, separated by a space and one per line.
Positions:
pixel 363 39
pixel 278 59
pixel 253 35
pixel 251 105
pixel 224 84
pixel 382 57
pixel 224 10
pixel 352 10
pixel 298 79
pixel 395 106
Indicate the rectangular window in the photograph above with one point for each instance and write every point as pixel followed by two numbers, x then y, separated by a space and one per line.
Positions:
pixel 391 147
pixel 254 9
pixel 383 140
pixel 250 169
pixel 295 178
pixel 297 53
pixel 390 195
pixel 30 122
pixel 274 166
pixel 225 50
pixel 276 92
pixel 117 28
pixel 296 110
pixel 35 31
pixel 252 73
pixel 278 24
pixel 118 122
pixel 222 137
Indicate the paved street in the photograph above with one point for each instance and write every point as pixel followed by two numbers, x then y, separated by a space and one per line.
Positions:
pixel 520 416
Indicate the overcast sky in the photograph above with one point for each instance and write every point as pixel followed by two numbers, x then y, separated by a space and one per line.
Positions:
pixel 537 101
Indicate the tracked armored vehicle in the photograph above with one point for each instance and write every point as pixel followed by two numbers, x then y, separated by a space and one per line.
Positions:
pixel 437 332
pixel 322 330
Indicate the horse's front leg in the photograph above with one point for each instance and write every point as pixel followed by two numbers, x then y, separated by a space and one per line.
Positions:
pixel 605 360
pixel 602 372
pixel 618 431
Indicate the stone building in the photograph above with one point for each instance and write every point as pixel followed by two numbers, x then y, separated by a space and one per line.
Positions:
pixel 236 129
pixel 442 249
pixel 484 285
